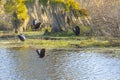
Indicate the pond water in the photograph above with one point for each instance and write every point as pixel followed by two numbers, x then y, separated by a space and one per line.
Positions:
pixel 58 65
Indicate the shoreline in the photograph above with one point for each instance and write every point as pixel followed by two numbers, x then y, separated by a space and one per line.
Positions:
pixel 38 40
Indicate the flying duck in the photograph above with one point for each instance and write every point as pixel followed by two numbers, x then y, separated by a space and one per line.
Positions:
pixel 41 52
pixel 21 37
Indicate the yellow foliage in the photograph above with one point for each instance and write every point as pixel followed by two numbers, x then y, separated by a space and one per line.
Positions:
pixel 21 11
pixel 83 12
pixel 72 4
pixel 18 6
pixel 67 3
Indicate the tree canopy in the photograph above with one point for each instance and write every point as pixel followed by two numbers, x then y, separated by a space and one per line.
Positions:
pixel 66 3
pixel 17 6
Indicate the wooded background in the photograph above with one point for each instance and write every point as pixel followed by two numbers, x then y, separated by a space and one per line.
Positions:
pixel 94 17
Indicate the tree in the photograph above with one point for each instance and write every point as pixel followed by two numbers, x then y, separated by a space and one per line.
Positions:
pixel 52 12
pixel 19 13
pixel 60 10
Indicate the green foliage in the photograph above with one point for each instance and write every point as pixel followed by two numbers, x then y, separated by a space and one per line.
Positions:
pixel 83 12
pixel 66 3
pixel 17 6
pixel 97 43
pixel 28 2
pixel 84 29
pixel 57 1
pixel 37 38
pixel 44 2
pixel 63 34
pixel 46 28
pixel 9 6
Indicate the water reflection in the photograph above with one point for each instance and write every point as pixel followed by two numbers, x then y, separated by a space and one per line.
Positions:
pixel 58 65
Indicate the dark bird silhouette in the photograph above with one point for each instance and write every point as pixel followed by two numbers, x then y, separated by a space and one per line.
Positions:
pixel 36 24
pixel 21 37
pixel 41 52
pixel 76 30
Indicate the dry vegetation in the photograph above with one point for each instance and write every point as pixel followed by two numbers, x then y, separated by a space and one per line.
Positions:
pixel 104 17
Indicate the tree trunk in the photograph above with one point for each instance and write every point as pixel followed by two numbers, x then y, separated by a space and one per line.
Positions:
pixel 24 25
pixel 55 26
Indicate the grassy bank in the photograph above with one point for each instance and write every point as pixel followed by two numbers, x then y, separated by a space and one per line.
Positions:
pixel 36 39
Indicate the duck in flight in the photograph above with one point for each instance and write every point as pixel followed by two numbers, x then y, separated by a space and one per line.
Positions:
pixel 21 37
pixel 41 53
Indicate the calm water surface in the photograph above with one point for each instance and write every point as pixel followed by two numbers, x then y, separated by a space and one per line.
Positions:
pixel 58 65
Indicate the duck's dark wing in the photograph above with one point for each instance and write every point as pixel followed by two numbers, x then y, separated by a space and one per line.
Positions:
pixel 21 37
pixel 37 26
pixel 76 30
pixel 42 53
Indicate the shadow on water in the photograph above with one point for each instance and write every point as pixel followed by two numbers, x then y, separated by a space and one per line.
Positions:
pixel 58 65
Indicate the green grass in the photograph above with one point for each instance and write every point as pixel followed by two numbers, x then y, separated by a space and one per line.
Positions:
pixel 36 39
